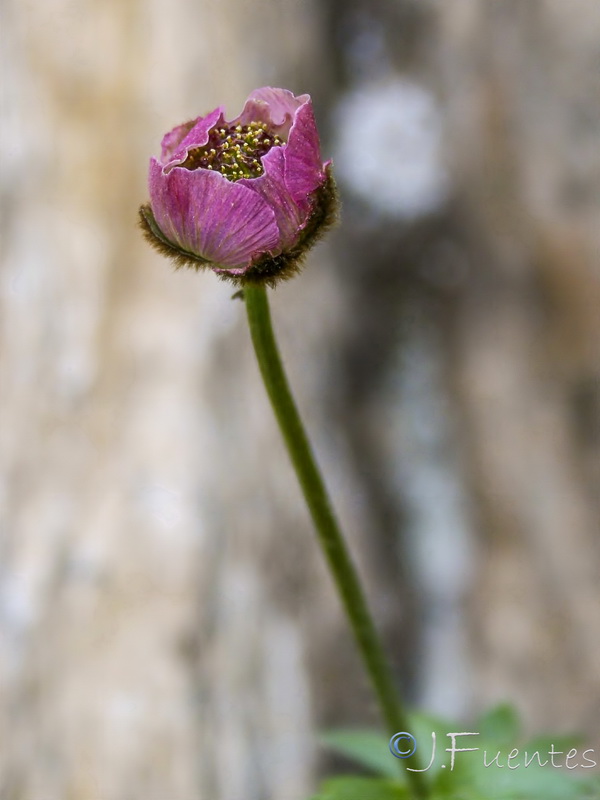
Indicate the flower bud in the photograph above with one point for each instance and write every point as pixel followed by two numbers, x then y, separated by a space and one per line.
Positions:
pixel 245 198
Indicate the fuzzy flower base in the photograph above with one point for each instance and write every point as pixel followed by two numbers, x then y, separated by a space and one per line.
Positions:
pixel 268 269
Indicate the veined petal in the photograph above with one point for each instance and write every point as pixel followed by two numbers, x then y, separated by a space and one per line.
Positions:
pixel 172 139
pixel 291 216
pixel 282 103
pixel 255 111
pixel 176 143
pixel 304 171
pixel 204 213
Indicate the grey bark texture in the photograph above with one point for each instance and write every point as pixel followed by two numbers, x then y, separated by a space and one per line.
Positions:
pixel 527 372
pixel 168 630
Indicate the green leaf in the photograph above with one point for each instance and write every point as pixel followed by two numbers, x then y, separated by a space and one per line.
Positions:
pixel 543 743
pixel 367 748
pixel 471 778
pixel 464 793
pixel 500 725
pixel 525 785
pixel 348 788
pixel 591 789
pixel 371 749
pixel 423 726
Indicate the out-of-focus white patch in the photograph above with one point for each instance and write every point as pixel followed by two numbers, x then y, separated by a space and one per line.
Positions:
pixel 17 604
pixel 162 504
pixel 426 463
pixel 388 149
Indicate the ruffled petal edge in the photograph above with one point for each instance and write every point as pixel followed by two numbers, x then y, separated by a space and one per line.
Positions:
pixel 176 144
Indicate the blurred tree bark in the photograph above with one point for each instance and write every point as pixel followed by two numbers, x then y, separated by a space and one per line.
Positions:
pixel 522 86
pixel 497 300
pixel 144 651
pixel 168 630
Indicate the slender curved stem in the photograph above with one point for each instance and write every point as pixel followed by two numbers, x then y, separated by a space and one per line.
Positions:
pixel 328 531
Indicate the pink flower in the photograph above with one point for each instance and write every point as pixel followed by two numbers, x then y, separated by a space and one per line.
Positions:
pixel 245 198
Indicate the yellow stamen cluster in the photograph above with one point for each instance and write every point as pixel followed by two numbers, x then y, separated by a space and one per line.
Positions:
pixel 234 151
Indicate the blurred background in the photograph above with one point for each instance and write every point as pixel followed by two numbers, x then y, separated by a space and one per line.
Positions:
pixel 168 631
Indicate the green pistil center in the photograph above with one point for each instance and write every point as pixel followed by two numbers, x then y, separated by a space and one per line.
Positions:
pixel 235 152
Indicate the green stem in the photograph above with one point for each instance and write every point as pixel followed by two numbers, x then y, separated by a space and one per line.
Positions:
pixel 329 534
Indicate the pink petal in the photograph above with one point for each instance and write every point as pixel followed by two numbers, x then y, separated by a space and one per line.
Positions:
pixel 257 111
pixel 281 102
pixel 276 107
pixel 290 215
pixel 204 213
pixel 175 145
pixel 303 166
pixel 172 139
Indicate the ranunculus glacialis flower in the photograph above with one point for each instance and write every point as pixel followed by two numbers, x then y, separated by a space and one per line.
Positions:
pixel 245 198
